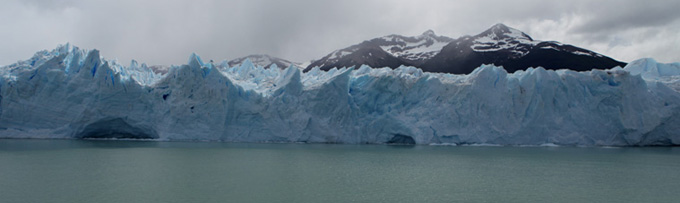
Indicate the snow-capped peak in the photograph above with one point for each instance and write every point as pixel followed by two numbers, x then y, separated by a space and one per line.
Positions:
pixel 502 31
pixel 501 37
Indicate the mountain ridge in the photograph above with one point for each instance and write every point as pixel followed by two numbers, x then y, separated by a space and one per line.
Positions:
pixel 499 45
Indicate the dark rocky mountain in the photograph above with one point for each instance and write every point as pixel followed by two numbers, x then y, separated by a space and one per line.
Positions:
pixel 514 50
pixel 499 45
pixel 388 51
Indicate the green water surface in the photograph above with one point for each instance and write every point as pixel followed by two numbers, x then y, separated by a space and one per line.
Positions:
pixel 133 171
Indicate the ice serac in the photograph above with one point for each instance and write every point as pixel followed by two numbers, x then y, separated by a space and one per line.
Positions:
pixel 73 93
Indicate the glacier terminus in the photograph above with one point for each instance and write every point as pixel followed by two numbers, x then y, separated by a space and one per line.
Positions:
pixel 72 93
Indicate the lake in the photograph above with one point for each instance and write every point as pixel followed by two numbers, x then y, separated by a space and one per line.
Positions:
pixel 147 171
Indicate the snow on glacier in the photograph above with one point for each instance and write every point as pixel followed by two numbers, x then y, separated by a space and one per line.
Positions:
pixel 73 93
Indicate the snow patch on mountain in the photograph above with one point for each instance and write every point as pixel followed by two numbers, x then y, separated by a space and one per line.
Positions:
pixel 421 47
pixel 339 54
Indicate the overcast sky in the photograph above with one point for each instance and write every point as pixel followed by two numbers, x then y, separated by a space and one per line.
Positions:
pixel 168 31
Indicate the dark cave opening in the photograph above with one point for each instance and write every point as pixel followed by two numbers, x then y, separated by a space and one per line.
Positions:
pixel 399 139
pixel 115 128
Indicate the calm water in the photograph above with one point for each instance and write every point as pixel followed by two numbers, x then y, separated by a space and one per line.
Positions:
pixel 128 171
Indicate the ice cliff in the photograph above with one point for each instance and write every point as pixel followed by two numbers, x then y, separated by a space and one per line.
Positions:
pixel 73 93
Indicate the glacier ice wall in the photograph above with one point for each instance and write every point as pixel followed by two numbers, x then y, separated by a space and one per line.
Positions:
pixel 74 93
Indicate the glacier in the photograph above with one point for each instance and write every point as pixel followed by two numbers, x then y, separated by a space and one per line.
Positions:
pixel 72 93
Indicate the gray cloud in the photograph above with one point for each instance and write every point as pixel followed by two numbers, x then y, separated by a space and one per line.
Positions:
pixel 167 32
pixel 614 16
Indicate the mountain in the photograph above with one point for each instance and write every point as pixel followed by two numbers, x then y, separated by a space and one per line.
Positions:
pixel 499 45
pixel 262 60
pixel 388 51
pixel 69 93
pixel 514 50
